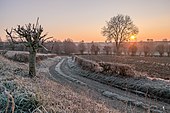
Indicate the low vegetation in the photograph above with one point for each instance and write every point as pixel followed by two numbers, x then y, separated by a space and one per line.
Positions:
pixel 155 67
pixel 19 93
pixel 105 67
pixel 126 79
pixel 21 56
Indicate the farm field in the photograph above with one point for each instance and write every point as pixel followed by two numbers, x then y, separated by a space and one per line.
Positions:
pixel 157 67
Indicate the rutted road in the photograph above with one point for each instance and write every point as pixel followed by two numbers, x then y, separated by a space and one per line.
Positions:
pixel 116 98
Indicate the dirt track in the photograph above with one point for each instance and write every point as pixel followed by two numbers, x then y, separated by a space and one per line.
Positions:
pixel 113 97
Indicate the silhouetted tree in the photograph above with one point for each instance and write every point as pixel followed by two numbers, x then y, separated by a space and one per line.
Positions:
pixel 69 46
pixel 160 49
pixel 107 49
pixel 10 39
pixel 82 47
pixel 1 43
pixel 125 48
pixel 94 49
pixel 31 36
pixel 57 47
pixel 120 28
pixel 97 49
pixel 146 49
pixel 133 49
pixel 168 49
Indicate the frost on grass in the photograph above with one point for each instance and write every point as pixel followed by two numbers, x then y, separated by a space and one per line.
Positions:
pixel 154 88
pixel 22 56
pixel 154 67
pixel 41 93
pixel 105 67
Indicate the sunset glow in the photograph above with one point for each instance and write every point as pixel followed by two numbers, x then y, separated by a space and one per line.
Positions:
pixel 83 20
pixel 132 37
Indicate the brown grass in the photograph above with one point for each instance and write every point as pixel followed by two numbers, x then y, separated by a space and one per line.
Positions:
pixel 150 66
pixel 52 96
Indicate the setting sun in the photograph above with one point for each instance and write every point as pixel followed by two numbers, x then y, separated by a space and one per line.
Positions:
pixel 132 37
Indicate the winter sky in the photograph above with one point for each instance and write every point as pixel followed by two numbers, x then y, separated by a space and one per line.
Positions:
pixel 83 19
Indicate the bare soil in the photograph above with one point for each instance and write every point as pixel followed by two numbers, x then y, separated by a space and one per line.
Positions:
pixel 157 67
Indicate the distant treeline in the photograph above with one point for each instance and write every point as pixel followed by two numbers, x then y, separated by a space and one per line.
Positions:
pixel 68 47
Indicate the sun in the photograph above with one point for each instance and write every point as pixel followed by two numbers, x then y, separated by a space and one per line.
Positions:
pixel 132 37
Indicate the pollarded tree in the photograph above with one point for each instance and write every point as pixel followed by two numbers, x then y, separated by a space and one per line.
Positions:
pixel 31 36
pixel 120 28
pixel 82 47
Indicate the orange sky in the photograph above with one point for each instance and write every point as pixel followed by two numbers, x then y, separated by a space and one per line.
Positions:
pixel 83 20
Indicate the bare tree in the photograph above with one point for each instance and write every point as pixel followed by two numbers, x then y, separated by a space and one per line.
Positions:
pixel 1 43
pixel 168 49
pixel 94 49
pixel 133 49
pixel 107 49
pixel 82 47
pixel 146 50
pixel 31 36
pixel 120 28
pixel 69 46
pixel 160 49
pixel 10 39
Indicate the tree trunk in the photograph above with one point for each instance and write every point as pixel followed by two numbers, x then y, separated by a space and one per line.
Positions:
pixel 161 54
pixel 168 54
pixel 107 52
pixel 32 63
pixel 117 49
pixel 145 54
pixel 81 52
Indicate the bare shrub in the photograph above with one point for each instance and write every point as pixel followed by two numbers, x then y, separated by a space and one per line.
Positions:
pixel 116 68
pixel 21 56
pixel 105 67
pixel 87 64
